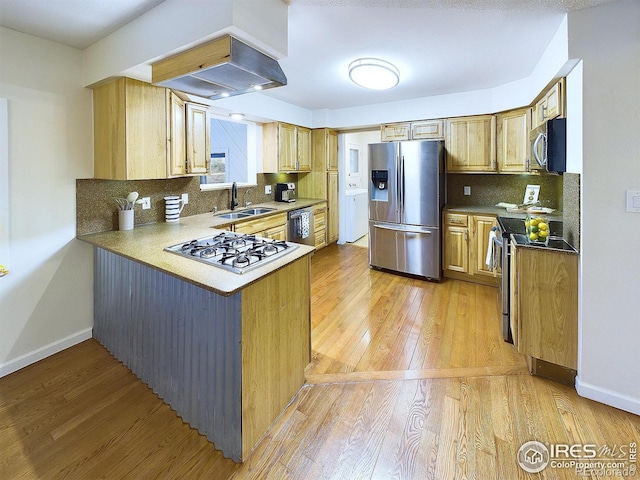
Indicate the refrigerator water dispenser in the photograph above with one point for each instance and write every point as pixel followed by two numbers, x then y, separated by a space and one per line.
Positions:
pixel 380 187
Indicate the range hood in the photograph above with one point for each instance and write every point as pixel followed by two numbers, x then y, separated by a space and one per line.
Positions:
pixel 221 68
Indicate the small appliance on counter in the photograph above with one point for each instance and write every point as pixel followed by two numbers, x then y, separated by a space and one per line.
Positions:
pixel 285 192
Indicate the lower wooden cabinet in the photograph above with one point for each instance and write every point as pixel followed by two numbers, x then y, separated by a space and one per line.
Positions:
pixel 271 226
pixel 465 244
pixel 320 224
pixel 545 304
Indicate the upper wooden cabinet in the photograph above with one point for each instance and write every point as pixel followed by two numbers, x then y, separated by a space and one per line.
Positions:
pixel 143 132
pixel 325 150
pixel 304 149
pixel 471 144
pixel 189 133
pixel 198 138
pixel 512 140
pixel 421 130
pixel 427 130
pixel 395 132
pixel 176 159
pixel 130 130
pixel 551 105
pixel 286 148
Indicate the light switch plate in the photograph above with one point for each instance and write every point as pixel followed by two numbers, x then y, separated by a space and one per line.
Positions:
pixel 633 201
pixel 467 190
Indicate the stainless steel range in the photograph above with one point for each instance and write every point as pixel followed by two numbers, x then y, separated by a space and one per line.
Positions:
pixel 236 252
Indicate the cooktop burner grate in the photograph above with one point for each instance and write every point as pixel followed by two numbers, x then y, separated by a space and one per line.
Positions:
pixel 236 252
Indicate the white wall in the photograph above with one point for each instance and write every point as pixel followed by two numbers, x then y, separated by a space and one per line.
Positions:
pixel 47 299
pixel 607 39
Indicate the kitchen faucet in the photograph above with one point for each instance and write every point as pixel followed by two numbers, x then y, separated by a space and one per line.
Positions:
pixel 234 196
pixel 246 203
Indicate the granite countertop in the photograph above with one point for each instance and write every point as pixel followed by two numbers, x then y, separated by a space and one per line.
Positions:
pixel 145 244
pixel 493 210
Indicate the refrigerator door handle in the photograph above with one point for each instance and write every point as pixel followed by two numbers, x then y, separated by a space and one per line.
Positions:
pixel 398 188
pixel 401 188
pixel 403 229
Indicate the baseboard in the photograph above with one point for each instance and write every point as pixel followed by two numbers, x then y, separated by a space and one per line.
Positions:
pixel 608 397
pixel 44 352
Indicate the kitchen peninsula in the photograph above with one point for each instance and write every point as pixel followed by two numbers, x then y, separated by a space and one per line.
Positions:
pixel 227 351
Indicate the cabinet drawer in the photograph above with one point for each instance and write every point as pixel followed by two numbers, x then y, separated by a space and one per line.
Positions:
pixel 261 224
pixel 456 219
pixel 320 221
pixel 321 235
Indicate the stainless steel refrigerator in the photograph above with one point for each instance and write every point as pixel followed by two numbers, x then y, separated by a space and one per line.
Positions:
pixel 406 197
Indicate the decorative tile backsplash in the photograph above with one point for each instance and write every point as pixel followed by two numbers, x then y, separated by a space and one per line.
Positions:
pixel 96 209
pixel 491 189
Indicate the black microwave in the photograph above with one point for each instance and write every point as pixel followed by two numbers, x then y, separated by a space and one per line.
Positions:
pixel 549 146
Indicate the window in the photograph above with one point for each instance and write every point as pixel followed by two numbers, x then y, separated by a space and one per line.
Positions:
pixel 233 154
pixel 354 174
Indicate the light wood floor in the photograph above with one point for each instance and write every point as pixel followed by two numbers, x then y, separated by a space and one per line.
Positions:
pixel 409 380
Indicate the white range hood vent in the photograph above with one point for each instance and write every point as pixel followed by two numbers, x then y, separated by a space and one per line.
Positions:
pixel 221 68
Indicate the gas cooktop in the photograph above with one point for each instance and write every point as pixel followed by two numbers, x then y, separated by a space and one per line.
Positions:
pixel 235 252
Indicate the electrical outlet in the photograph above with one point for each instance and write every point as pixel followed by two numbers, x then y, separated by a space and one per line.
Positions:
pixel 185 198
pixel 467 190
pixel 146 203
pixel 267 189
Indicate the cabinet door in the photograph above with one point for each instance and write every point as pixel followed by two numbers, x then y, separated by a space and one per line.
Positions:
pixel 428 130
pixel 332 206
pixel 130 125
pixel 551 105
pixel 177 159
pixel 481 228
pixel 304 151
pixel 554 102
pixel 512 139
pixel 146 126
pixel 548 312
pixel 198 133
pixel 471 144
pixel 332 152
pixel 456 249
pixel 287 148
pixel 395 132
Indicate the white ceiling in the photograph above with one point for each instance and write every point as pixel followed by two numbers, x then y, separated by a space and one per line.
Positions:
pixel 439 46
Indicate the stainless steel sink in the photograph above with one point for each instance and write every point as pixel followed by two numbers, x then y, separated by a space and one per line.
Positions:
pixel 258 211
pixel 235 215
pixel 246 213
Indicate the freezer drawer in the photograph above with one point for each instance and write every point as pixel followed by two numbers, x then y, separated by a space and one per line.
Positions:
pixel 405 248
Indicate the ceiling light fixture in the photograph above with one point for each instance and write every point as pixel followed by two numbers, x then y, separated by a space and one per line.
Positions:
pixel 237 116
pixel 373 73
